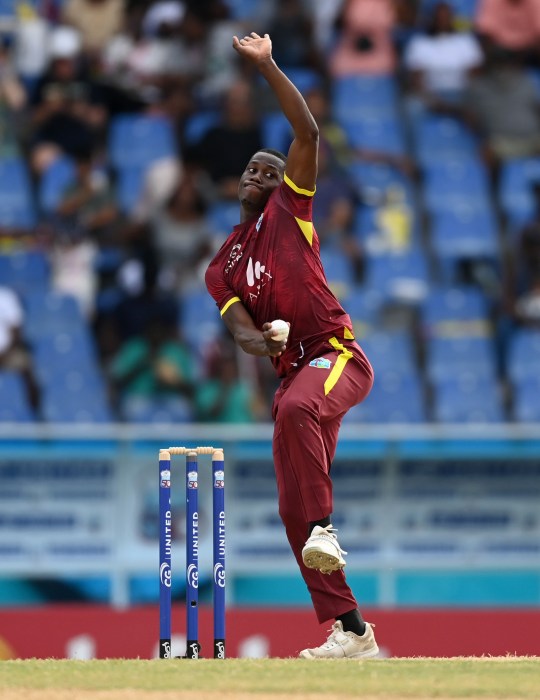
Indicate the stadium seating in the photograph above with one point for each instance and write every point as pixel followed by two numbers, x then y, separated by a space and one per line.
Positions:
pixel 383 134
pixel 395 398
pixel 26 272
pixel 438 138
pixel 54 182
pixel 456 184
pixel 404 278
pixel 136 141
pixel 359 97
pixel 515 192
pixel 454 312
pixel 390 352
pixel 524 355
pixel 14 404
pixel 464 233
pixel 466 356
pixel 526 401
pixel 17 206
pixel 467 399
pixel 338 270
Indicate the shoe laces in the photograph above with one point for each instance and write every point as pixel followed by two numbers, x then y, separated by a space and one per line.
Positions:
pixel 330 530
pixel 334 631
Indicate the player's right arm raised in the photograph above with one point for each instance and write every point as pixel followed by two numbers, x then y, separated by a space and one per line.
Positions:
pixel 302 157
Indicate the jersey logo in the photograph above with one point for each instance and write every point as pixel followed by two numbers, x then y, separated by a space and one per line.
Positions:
pixel 257 277
pixel 321 363
pixel 234 257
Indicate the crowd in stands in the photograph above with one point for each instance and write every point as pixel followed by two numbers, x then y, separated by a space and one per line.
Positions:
pixel 124 127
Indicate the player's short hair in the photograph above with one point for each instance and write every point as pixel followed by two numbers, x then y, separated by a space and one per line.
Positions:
pixel 273 152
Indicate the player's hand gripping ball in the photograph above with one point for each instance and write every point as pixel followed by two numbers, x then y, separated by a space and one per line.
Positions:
pixel 280 330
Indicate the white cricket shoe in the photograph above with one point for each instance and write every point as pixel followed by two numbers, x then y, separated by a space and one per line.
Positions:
pixel 344 645
pixel 322 550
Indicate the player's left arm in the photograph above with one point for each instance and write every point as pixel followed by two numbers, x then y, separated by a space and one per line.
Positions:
pixel 301 165
pixel 248 336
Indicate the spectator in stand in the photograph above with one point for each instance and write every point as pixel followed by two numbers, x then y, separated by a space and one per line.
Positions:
pixel 14 354
pixel 510 24
pixel 68 114
pixel 294 45
pixel 439 61
pixel 164 46
pixel 181 235
pixel 153 365
pixel 527 305
pixel 86 218
pixel 502 104
pixel 97 21
pixel 12 100
pixel 365 41
pixel 223 396
pixel 224 149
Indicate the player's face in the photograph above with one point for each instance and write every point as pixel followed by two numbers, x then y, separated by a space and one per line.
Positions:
pixel 262 175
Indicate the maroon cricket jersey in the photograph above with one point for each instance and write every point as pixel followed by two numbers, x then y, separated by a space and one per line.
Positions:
pixel 271 264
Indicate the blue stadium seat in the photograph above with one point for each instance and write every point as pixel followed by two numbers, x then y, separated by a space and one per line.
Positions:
pixel 390 352
pixel 17 208
pixel 461 184
pixel 358 97
pixel 137 409
pixel 276 131
pixel 138 141
pixel 51 312
pixel 374 179
pixel 438 138
pixel 450 358
pixel 14 404
pixel 381 134
pixel 464 233
pixel 526 403
pixel 402 278
pixel 129 188
pixel 199 319
pixel 305 79
pixel 62 351
pixel 364 306
pixel 455 311
pixel 54 182
pixel 223 216
pixel 339 271
pixel 394 398
pixel 26 272
pixel 464 9
pixel 61 408
pixel 243 9
pixel 515 192
pixel 467 400
pixel 524 355
pixel 198 124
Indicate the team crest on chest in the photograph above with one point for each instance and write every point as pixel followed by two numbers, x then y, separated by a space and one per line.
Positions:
pixel 234 256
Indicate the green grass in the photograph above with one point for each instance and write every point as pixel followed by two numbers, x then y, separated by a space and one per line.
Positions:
pixel 509 677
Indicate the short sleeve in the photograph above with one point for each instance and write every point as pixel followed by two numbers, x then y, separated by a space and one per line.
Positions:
pixel 218 288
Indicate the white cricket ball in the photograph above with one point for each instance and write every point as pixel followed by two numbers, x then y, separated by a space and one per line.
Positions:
pixel 280 329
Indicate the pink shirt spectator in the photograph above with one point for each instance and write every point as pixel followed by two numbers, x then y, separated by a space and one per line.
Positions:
pixel 512 24
pixel 365 44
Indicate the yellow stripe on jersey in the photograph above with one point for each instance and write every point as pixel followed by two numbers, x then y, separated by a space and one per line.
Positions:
pixel 229 303
pixel 347 334
pixel 337 370
pixel 299 190
pixel 307 229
